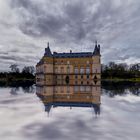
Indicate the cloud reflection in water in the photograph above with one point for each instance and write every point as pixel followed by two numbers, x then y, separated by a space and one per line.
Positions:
pixel 23 117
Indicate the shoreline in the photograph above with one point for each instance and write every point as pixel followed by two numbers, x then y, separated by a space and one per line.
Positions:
pixel 102 79
pixel 121 80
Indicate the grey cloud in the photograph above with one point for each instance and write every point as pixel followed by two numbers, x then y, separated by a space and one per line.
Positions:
pixel 77 21
pixel 27 5
pixel 43 132
pixel 73 24
pixel 60 130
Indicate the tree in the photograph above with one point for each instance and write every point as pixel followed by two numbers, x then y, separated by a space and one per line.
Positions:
pixel 135 67
pixel 14 68
pixel 28 69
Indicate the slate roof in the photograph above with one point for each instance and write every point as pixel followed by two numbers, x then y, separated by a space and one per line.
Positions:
pixel 48 53
pixel 48 106
pixel 72 55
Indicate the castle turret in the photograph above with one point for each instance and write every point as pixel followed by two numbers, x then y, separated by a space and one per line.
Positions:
pixel 45 67
pixel 96 49
pixel 96 67
pixel 48 52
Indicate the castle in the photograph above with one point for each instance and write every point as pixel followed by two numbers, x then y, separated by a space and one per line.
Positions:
pixel 73 68
pixel 68 96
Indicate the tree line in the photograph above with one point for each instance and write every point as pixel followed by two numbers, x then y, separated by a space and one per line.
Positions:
pixel 113 70
pixel 15 74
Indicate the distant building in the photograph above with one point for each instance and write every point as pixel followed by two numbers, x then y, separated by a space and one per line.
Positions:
pixel 73 68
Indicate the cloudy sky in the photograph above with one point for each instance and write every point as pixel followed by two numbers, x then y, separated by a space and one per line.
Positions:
pixel 27 25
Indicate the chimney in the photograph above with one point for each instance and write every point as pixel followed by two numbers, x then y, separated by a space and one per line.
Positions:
pixel 70 51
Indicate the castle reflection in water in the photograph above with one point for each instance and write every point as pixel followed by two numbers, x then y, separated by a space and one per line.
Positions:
pixel 70 96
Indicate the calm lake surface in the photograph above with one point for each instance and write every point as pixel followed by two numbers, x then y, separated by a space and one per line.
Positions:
pixel 23 116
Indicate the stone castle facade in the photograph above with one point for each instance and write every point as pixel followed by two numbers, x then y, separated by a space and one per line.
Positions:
pixel 73 68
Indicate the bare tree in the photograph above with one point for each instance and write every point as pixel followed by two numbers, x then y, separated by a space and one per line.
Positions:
pixel 14 68
pixel 28 69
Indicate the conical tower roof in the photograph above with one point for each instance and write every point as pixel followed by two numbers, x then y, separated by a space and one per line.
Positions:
pixel 48 51
pixel 97 49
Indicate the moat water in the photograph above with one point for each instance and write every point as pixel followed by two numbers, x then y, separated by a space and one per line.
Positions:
pixel 23 116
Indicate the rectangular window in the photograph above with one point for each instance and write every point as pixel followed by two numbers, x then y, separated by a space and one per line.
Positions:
pixel 68 70
pixel 76 76
pixel 87 70
pixel 55 89
pixel 61 79
pixel 62 89
pixel 68 89
pixel 76 71
pixel 96 88
pixel 45 69
pixel 76 82
pixel 82 70
pixel 99 70
pixel 45 79
pixel 61 61
pixel 76 88
pixel 68 62
pixel 62 69
pixel 94 70
pixel 82 88
pixel 88 88
pixel 56 70
pixel 55 62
